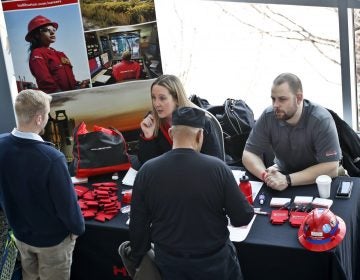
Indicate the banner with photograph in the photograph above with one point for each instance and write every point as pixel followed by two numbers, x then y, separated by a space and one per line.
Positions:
pixel 96 58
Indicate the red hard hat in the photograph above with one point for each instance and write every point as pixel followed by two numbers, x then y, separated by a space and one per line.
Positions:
pixel 37 22
pixel 321 230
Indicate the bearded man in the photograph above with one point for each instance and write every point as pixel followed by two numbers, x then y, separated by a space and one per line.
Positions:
pixel 302 135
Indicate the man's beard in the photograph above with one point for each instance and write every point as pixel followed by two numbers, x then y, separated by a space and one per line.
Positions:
pixel 284 116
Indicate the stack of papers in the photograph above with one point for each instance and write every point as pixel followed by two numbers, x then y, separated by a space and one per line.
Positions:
pixel 322 202
pixel 129 177
pixel 238 234
pixel 279 201
pixel 303 199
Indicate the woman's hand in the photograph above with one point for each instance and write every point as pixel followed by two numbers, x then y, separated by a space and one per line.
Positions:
pixel 148 126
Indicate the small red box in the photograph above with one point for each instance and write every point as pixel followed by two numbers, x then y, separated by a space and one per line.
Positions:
pixel 127 197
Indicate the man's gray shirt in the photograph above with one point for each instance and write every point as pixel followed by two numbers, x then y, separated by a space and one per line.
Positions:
pixel 312 140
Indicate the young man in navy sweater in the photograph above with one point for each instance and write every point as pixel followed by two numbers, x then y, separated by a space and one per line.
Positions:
pixel 36 193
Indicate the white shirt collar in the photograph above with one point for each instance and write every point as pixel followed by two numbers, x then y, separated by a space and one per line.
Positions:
pixel 26 135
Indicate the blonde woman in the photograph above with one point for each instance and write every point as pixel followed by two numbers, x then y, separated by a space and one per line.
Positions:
pixel 167 94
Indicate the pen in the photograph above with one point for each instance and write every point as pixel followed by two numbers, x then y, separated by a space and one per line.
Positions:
pixel 259 212
pixel 148 113
pixel 261 198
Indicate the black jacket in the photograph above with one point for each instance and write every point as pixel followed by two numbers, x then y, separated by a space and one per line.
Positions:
pixel 149 149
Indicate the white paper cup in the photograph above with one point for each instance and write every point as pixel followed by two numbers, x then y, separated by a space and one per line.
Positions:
pixel 324 185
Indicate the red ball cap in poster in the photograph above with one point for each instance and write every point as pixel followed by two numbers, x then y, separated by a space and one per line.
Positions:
pixel 321 230
pixel 37 22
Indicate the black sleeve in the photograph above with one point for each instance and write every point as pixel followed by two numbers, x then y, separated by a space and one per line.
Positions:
pixel 139 221
pixel 211 145
pixel 148 149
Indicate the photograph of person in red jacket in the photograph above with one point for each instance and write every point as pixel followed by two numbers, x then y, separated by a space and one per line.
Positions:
pixel 126 69
pixel 52 69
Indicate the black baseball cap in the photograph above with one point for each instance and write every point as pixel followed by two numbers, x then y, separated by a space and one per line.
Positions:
pixel 189 116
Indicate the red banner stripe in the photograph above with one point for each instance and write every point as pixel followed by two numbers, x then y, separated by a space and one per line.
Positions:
pixel 23 5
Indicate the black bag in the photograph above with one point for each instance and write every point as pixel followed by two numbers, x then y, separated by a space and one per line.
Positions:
pixel 235 117
pixel 201 102
pixel 237 120
pixel 99 152
pixel 350 145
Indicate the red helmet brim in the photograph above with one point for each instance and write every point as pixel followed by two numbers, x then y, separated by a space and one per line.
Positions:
pixel 328 244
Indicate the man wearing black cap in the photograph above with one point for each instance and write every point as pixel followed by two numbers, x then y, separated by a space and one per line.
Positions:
pixel 181 201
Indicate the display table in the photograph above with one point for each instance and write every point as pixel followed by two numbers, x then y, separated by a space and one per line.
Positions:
pixel 96 251
pixel 274 252
pixel 268 252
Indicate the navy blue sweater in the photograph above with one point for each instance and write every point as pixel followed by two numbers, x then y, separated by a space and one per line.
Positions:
pixel 36 192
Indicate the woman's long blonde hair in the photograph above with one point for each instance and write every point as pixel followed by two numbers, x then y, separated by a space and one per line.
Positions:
pixel 176 90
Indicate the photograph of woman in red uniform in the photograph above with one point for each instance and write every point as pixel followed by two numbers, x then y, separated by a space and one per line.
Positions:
pixel 52 69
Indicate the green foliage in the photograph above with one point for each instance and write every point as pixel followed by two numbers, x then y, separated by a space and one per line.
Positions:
pixel 113 13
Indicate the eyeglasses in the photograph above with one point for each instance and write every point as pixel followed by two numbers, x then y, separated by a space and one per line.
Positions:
pixel 47 29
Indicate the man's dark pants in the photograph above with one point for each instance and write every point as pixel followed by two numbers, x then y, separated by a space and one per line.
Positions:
pixel 220 265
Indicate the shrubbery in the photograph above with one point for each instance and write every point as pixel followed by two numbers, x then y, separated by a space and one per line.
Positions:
pixel 106 13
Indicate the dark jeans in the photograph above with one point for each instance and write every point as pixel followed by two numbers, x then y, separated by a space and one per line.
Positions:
pixel 222 265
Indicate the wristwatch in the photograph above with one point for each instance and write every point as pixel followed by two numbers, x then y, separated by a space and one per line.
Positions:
pixel 288 180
